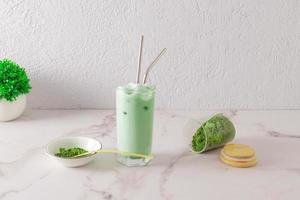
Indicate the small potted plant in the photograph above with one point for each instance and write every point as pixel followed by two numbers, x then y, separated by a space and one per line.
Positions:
pixel 14 85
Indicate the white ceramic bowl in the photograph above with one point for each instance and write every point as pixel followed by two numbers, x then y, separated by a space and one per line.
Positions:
pixel 86 143
pixel 10 110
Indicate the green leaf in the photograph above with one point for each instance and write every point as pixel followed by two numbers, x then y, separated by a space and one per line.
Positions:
pixel 13 80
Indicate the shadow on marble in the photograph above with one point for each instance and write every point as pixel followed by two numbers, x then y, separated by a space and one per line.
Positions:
pixel 167 159
pixel 105 162
pixel 108 162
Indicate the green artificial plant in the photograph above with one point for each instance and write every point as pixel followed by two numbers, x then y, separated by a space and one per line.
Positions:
pixel 13 80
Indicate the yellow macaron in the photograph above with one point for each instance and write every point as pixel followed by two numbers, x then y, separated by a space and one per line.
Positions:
pixel 238 155
pixel 244 159
pixel 238 151
pixel 240 164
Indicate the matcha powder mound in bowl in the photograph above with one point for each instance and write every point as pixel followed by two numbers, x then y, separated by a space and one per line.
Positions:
pixel 70 152
pixel 214 133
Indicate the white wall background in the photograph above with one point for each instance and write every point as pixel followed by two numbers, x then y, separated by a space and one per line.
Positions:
pixel 221 53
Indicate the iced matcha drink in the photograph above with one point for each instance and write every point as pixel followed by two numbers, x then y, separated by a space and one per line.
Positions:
pixel 134 107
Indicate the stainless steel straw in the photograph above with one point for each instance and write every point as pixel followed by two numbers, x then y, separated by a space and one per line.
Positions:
pixel 140 60
pixel 152 64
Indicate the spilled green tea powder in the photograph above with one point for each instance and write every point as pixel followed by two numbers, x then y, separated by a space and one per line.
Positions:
pixel 198 142
pixel 214 133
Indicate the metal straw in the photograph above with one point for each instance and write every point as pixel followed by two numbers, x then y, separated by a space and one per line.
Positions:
pixel 140 60
pixel 152 64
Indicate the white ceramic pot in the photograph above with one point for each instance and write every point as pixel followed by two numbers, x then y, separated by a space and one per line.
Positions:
pixel 10 110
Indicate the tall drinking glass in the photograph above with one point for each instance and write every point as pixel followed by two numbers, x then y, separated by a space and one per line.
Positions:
pixel 134 107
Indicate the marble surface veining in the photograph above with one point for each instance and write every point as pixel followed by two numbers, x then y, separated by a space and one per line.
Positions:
pixel 175 173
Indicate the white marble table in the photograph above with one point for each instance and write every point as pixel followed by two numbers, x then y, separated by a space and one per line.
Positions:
pixel 26 173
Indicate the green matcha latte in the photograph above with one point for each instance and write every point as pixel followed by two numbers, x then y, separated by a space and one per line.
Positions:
pixel 135 107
